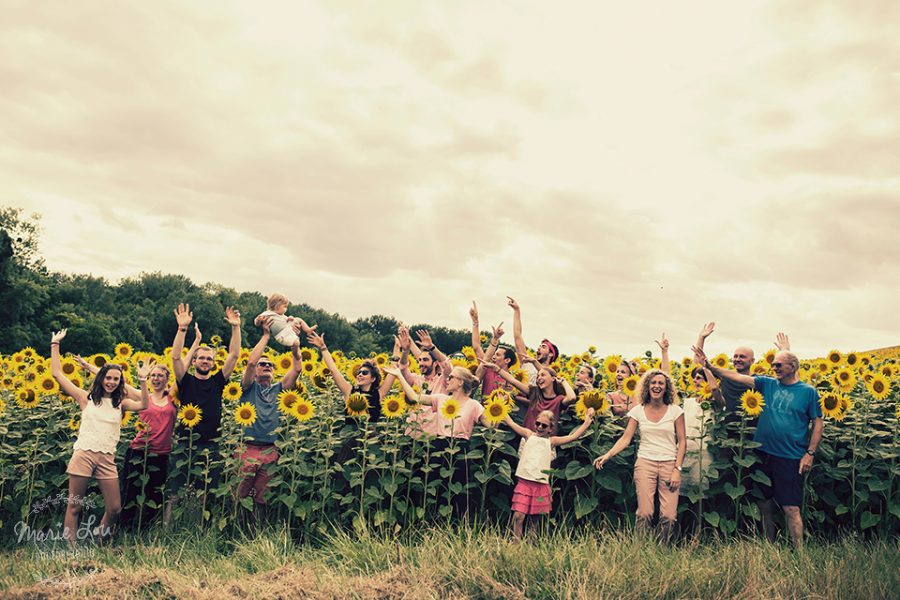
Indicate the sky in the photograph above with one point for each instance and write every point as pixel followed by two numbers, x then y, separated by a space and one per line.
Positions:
pixel 620 169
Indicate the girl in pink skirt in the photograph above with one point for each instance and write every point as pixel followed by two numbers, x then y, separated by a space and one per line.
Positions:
pixel 532 495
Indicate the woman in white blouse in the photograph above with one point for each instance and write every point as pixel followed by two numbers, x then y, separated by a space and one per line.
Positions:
pixel 657 470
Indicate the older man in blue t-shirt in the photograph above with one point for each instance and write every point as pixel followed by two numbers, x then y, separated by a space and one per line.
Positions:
pixel 786 447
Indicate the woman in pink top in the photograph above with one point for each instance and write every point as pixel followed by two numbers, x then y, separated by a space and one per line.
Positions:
pixel 98 434
pixel 657 470
pixel 451 431
pixel 148 454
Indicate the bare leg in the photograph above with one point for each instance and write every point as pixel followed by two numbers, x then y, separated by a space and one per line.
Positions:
pixel 77 488
pixel 767 510
pixel 171 502
pixel 112 502
pixel 518 524
pixel 794 525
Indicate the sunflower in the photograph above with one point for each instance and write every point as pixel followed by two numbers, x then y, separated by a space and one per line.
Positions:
pixel 720 360
pixel 887 370
pixel 834 357
pixel 47 384
pixel 704 391
pixel 503 395
pixel 303 409
pixel 393 406
pixel 139 426
pixel 308 355
pixel 320 378
pixel 897 411
pixel 215 340
pixel 68 366
pixel 831 405
pixel 284 362
pixel 752 402
pixel 232 391
pixel 450 409
pixel 824 367
pixel 469 353
pixel 286 401
pixel 126 418
pixel 26 397
pixel 309 367
pixel 845 379
pixel 592 349
pixel 611 364
pixel 575 360
pixel 759 368
pixel 520 375
pixel 28 352
pixel 74 423
pixel 851 359
pixel 591 399
pixel 245 414
pixel 357 405
pixel 190 415
pixel 630 384
pixel 123 350
pixel 495 410
pixel 879 387
pixel 769 356
pixel 482 338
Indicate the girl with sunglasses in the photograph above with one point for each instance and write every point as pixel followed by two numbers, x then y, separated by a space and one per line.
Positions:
pixel 533 495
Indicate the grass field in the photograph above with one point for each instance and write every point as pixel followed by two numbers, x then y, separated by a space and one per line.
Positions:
pixel 445 563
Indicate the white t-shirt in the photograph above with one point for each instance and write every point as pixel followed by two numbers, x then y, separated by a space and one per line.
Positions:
pixel 534 459
pixel 657 439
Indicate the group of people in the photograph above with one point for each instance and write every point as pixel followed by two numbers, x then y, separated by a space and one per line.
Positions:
pixel 670 449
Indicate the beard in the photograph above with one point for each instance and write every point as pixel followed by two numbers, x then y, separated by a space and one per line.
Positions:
pixel 202 371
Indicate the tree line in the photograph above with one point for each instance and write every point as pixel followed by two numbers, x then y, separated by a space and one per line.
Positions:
pixel 138 310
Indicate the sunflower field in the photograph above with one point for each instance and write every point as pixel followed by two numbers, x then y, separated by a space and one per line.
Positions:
pixel 338 471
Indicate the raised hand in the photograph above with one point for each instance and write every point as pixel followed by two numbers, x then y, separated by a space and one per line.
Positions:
pixel 233 316
pixel 527 358
pixel 699 355
pixel 82 363
pixel 782 341
pixel 663 342
pixel 473 312
pixel 392 370
pixel 512 303
pixel 144 367
pixel 267 324
pixel 405 340
pixel 58 336
pixel 197 335
pixel 183 315
pixel 489 365
pixel 316 339
pixel 424 339
pixel 708 329
pixel 498 331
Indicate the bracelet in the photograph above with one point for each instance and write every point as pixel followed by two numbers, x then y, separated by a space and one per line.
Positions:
pixel 325 349
pixel 182 329
pixel 54 343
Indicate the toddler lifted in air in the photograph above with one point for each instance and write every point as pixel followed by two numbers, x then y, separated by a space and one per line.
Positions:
pixel 282 326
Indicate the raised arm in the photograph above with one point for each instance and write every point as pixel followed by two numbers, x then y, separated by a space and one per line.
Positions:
pixel 408 390
pixel 705 332
pixel 428 346
pixel 782 341
pixel 80 396
pixel 476 332
pixel 492 348
pixel 255 354
pixel 517 326
pixel 233 318
pixel 183 316
pixel 520 431
pixel 143 371
pixel 663 343
pixel 717 396
pixel 700 358
pixel 290 378
pixel 318 340
pixel 571 396
pixel 559 440
pixel 620 444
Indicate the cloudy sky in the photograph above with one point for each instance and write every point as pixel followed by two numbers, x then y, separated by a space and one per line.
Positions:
pixel 621 169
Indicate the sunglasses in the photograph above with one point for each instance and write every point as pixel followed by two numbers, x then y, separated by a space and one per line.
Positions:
pixel 266 364
pixel 777 364
pixel 363 372
pixel 540 425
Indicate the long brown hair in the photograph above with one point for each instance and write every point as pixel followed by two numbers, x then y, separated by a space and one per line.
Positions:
pixel 96 392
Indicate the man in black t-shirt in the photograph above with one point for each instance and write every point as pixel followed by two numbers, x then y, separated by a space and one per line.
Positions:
pixel 204 390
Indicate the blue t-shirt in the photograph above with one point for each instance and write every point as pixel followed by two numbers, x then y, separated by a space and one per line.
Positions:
pixel 784 422
pixel 265 400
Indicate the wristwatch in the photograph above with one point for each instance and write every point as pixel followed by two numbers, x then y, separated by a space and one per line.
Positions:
pixel 678 469
pixel 810 452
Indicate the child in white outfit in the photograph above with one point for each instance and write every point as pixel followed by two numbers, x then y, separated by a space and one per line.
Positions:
pixel 282 325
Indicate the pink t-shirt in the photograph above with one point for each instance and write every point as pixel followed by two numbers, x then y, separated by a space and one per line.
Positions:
pixel 160 421
pixel 461 427
pixel 490 381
